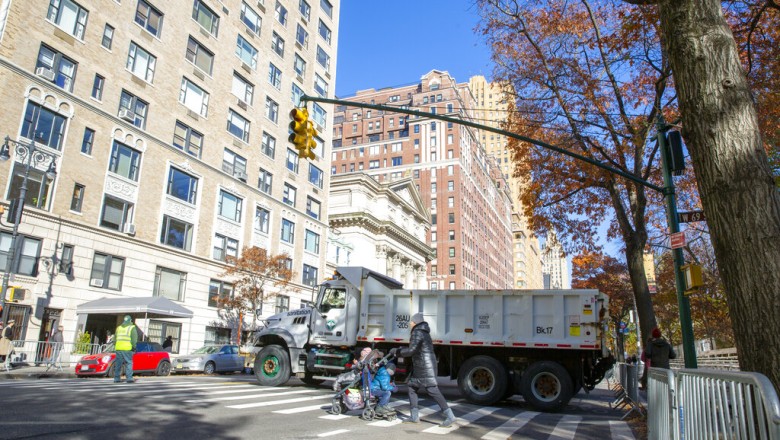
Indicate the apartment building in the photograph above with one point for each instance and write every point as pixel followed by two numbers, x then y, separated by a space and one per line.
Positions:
pixel 469 201
pixel 554 266
pixel 167 125
pixel 493 103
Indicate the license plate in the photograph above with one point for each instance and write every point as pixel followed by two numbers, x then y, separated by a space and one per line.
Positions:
pixel 178 365
pixel 84 367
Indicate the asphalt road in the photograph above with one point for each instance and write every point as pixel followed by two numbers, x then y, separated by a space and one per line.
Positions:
pixel 236 407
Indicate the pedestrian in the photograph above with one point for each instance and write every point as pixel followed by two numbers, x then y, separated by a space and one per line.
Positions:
pixel 424 370
pixel 167 344
pixel 126 339
pixel 657 353
pixel 6 343
pixel 382 387
pixel 55 342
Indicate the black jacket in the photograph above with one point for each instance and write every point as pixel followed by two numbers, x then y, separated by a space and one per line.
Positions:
pixel 659 351
pixel 423 359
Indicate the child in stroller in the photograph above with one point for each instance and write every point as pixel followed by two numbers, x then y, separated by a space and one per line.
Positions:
pixel 368 386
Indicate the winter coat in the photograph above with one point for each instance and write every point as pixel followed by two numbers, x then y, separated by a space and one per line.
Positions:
pixel 420 349
pixel 659 351
pixel 382 380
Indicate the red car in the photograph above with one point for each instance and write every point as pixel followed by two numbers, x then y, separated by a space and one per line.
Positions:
pixel 148 358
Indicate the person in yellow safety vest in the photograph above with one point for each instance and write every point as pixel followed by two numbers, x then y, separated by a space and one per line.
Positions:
pixel 125 338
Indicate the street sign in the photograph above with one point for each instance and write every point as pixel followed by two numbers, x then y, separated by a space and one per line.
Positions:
pixel 688 217
pixel 677 240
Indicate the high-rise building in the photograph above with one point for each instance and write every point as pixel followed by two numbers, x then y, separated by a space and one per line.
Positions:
pixel 492 107
pixel 554 267
pixel 167 125
pixel 471 226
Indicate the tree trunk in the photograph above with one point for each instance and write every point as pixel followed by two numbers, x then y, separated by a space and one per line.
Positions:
pixel 740 200
pixel 636 271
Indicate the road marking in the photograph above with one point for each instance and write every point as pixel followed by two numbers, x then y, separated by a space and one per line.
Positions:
pixel 159 395
pixel 620 431
pixel 506 430
pixel 279 402
pixel 566 428
pixel 423 412
pixel 251 396
pixel 335 417
pixel 302 409
pixel 336 432
pixel 463 421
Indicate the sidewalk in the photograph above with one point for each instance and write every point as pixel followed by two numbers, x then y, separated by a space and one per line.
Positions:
pixel 27 371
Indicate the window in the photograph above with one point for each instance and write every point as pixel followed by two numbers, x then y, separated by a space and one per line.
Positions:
pixel 312 208
pixel 219 291
pixel 327 8
pixel 288 196
pixel 309 277
pixel 450 202
pixel 288 231
pixel 116 213
pixel 451 186
pixel 265 181
pixel 305 9
pixel 133 109
pixel 301 36
pixel 243 89
pixel 451 218
pixel 320 86
pixel 433 187
pixel 280 13
pixel 246 52
pixel 250 18
pixel 451 236
pixel 232 163
pixel 198 55
pixel 282 303
pixel 297 94
pixel 268 145
pixel 229 206
pixel 108 36
pixel 299 66
pixel 217 336
pixel 238 126
pixel 271 109
pixel 38 186
pixel 65 265
pixel 323 58
pixel 318 114
pixel 311 242
pixel 452 269
pixel 141 62
pixel 277 44
pixel 262 219
pixel 373 164
pixel 69 16
pixel 28 251
pixel 97 87
pixel 78 198
pixel 108 269
pixel 274 76
pixel 315 176
pixel 397 161
pixel 176 233
pixel 324 32
pixel 169 283
pixel 224 247
pixel 149 18
pixel 417 128
pixel 187 139
pixel 292 160
pixel 182 185
pixel 194 97
pixel 124 161
pixel 61 69
pixel 88 141
pixel 205 17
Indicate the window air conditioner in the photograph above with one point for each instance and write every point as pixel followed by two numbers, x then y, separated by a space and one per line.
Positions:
pixel 45 73
pixel 96 282
pixel 130 229
pixel 127 115
pixel 240 175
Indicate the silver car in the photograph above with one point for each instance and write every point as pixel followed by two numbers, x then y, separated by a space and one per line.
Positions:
pixel 210 359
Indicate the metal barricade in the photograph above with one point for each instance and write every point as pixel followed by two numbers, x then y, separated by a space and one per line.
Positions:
pixel 37 353
pixel 662 423
pixel 627 392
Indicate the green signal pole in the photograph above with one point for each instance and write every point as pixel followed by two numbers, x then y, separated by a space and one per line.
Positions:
pixel 683 304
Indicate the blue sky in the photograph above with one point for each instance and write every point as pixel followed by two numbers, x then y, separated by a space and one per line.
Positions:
pixel 386 43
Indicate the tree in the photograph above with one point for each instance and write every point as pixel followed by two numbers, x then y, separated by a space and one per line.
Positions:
pixel 253 272
pixel 591 79
pixel 739 196
pixel 595 270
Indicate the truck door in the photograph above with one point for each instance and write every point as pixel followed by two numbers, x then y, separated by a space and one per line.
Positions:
pixel 331 322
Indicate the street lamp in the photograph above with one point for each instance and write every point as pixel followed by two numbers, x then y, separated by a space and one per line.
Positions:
pixel 29 155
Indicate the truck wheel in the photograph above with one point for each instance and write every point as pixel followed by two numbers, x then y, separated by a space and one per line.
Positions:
pixel 272 366
pixel 547 386
pixel 482 380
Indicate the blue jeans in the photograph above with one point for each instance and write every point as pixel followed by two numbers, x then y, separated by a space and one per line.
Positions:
pixel 123 357
pixel 382 395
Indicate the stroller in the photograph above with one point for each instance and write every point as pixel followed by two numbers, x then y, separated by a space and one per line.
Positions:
pixel 356 393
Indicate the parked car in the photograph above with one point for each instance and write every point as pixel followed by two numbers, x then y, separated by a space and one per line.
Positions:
pixel 148 358
pixel 211 359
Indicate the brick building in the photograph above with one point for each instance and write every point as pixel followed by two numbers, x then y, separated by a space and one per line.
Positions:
pixel 167 122
pixel 469 200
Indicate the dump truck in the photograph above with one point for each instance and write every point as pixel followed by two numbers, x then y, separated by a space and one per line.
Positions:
pixel 543 344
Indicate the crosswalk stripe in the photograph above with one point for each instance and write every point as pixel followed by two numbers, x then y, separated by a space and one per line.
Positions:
pixel 143 385
pixel 566 428
pixel 335 417
pixel 463 421
pixel 620 430
pixel 302 409
pixel 423 412
pixel 506 430
pixel 278 402
pixel 161 393
pixel 336 432
pixel 251 396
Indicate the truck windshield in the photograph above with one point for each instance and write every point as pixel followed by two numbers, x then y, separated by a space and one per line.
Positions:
pixel 333 299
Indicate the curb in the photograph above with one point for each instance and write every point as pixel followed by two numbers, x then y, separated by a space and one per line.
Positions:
pixel 35 373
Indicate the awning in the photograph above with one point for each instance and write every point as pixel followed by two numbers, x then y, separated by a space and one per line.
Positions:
pixel 151 307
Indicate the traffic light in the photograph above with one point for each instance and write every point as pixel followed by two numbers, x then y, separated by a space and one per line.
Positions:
pixel 303 133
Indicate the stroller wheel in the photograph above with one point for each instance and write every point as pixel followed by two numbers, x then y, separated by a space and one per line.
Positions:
pixel 368 413
pixel 391 417
pixel 335 407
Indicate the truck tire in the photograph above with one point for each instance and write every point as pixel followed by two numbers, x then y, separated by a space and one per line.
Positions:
pixel 483 380
pixel 547 386
pixel 272 366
